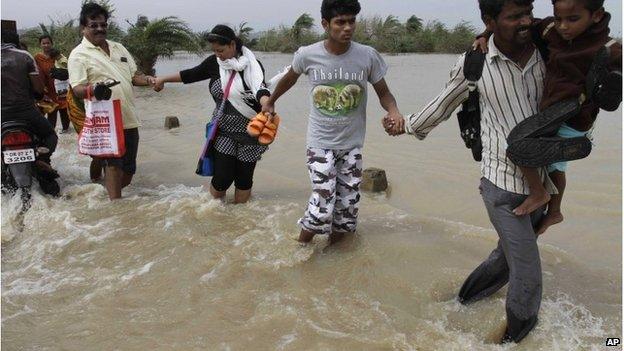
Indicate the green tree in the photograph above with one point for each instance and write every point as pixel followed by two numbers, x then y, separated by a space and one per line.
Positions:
pixel 65 31
pixel 391 30
pixel 414 24
pixel 303 24
pixel 460 38
pixel 243 31
pixel 148 40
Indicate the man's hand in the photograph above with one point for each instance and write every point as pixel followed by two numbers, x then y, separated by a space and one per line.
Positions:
pixel 150 80
pixel 267 105
pixel 158 84
pixel 394 124
pixel 102 90
pixel 141 80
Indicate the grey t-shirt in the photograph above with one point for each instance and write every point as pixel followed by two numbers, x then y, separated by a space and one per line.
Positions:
pixel 338 94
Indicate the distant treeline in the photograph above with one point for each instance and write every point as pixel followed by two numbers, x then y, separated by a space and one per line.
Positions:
pixel 384 34
pixel 149 39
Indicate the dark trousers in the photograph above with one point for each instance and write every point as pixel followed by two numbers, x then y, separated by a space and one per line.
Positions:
pixel 64 118
pixel 228 170
pixel 515 260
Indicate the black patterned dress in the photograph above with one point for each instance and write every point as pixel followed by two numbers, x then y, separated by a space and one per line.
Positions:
pixel 232 138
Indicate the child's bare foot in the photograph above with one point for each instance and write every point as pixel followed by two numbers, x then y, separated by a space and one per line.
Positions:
pixel 532 203
pixel 551 218
pixel 305 236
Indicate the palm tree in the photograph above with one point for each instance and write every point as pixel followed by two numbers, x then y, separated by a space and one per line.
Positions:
pixel 391 25
pixel 148 40
pixel 391 30
pixel 302 24
pixel 243 31
pixel 414 24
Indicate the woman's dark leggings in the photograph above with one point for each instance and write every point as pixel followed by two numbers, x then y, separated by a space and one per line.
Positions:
pixel 228 170
pixel 64 118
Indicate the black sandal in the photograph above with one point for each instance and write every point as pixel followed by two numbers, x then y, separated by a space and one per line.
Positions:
pixel 545 123
pixel 540 152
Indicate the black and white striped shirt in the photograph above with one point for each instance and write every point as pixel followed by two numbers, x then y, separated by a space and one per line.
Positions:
pixel 507 95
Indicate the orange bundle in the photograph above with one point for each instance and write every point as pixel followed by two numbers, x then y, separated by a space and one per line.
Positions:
pixel 263 129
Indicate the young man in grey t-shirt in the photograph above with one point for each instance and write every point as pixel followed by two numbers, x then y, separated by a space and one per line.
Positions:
pixel 338 70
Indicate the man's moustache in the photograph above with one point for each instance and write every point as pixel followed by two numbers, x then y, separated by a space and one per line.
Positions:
pixel 100 33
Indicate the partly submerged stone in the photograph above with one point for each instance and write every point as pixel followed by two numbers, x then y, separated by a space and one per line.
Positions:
pixel 374 179
pixel 171 122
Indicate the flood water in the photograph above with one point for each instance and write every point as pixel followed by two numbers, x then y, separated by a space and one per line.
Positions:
pixel 168 268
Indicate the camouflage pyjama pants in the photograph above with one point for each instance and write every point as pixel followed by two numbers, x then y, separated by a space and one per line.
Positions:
pixel 336 176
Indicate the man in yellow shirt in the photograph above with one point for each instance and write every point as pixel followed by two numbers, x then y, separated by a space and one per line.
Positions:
pixel 96 60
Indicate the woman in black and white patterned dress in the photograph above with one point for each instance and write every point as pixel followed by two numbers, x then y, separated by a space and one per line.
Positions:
pixel 236 152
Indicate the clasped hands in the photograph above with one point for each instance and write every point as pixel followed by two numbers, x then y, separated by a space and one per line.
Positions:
pixel 393 123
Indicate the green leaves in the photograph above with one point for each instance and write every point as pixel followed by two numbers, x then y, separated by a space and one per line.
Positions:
pixel 148 40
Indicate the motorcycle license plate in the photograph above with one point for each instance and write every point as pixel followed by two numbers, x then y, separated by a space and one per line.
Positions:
pixel 18 156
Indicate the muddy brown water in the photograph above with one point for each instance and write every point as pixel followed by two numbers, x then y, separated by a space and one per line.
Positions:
pixel 167 268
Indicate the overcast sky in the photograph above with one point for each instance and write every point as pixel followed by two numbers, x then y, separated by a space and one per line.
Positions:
pixel 263 14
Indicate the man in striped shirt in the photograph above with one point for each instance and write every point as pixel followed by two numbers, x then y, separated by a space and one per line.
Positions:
pixel 510 90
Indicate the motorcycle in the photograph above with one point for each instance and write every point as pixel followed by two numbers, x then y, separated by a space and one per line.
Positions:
pixel 23 159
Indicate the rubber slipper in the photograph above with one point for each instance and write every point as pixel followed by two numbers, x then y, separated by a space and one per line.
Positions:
pixel 255 126
pixel 546 122
pixel 267 136
pixel 540 152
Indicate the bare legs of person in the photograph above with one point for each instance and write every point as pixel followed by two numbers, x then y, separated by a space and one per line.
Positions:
pixel 126 179
pixel 116 179
pixel 538 196
pixel 336 237
pixel 553 214
pixel 95 169
pixel 306 236
pixel 241 196
pixel 112 182
pixel 220 195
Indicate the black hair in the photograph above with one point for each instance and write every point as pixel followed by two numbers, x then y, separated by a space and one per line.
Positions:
pixel 224 35
pixel 10 37
pixel 493 8
pixel 591 5
pixel 44 37
pixel 54 53
pixel 333 8
pixel 91 10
